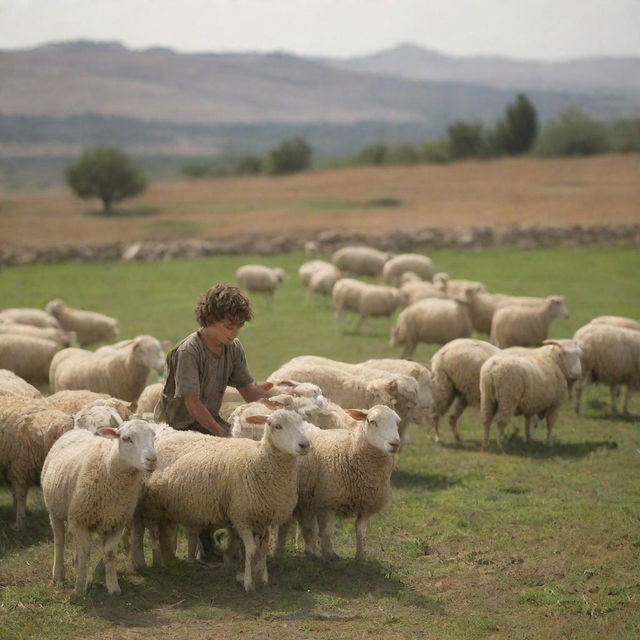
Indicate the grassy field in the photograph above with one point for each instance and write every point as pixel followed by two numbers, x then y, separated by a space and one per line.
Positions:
pixel 536 543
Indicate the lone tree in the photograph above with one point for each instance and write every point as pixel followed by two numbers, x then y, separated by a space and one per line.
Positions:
pixel 106 173
pixel 519 128
pixel 291 156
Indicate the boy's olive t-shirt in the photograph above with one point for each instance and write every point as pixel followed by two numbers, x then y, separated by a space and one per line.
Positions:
pixel 194 370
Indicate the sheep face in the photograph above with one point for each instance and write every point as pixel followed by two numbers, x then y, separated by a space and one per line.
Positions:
pixel 557 307
pixel 380 427
pixel 54 307
pixel 150 352
pixel 570 356
pixel 285 429
pixel 135 443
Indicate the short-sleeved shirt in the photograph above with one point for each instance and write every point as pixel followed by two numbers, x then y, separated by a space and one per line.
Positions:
pixel 194 370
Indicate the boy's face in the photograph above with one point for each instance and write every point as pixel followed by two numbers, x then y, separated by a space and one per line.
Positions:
pixel 224 331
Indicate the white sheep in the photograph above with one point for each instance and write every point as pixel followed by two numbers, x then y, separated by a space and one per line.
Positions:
pixel 121 371
pixel 311 248
pixel 63 338
pixel 307 269
pixel 617 321
pixel 93 483
pixel 12 384
pixel 149 398
pixel 611 356
pixel 404 262
pixel 482 307
pixel 27 357
pixel 455 375
pixel 433 321
pixel 533 384
pixel 526 326
pixel 415 290
pixel 204 482
pixel 360 261
pixel 256 278
pixel 89 326
pixel 323 280
pixel 347 472
pixel 26 315
pixel 455 288
pixel 72 401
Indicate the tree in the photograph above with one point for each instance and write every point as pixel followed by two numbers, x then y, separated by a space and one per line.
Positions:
pixel 106 173
pixel 573 133
pixel 465 139
pixel 519 128
pixel 291 156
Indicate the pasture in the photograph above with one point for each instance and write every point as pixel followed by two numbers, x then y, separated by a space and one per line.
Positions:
pixel 539 542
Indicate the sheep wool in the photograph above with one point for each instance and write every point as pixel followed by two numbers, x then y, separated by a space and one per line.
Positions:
pixel 11 384
pixel 89 326
pixel 27 357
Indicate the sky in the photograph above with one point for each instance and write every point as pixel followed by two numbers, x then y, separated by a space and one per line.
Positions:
pixel 521 29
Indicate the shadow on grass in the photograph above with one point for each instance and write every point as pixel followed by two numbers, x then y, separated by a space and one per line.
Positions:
pixel 401 478
pixel 36 530
pixel 137 212
pixel 299 588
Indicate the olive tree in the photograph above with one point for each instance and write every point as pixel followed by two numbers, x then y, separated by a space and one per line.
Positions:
pixel 106 173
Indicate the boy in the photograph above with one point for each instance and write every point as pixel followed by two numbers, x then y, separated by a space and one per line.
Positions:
pixel 202 365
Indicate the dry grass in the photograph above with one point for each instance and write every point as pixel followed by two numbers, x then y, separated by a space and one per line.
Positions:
pixel 498 193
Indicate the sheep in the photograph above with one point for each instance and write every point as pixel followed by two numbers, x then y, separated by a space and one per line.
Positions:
pixel 256 278
pixel 311 248
pixel 72 401
pixel 11 384
pixel 526 326
pixel 34 317
pixel 482 307
pixel 403 262
pixel 415 290
pixel 307 269
pixel 360 261
pixel 121 371
pixel 93 481
pixel 455 288
pixel 89 326
pixel 63 338
pixel 367 300
pixel 347 472
pixel 204 482
pixel 27 357
pixel 455 375
pixel 533 384
pixel 149 398
pixel 433 321
pixel 617 321
pixel 522 301
pixel 323 280
pixel 610 355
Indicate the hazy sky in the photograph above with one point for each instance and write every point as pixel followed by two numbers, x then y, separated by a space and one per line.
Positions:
pixel 534 29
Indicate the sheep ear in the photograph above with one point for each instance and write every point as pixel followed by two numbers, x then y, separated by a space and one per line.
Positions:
pixel 357 414
pixel 256 419
pixel 107 432
pixel 273 404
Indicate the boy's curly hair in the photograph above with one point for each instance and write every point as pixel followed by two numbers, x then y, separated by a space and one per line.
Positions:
pixel 220 302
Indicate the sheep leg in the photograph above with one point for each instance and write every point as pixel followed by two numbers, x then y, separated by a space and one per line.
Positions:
pixel 192 545
pixel 283 532
pixel 459 406
pixel 613 390
pixel 20 499
pixel 500 426
pixel 233 554
pixel 326 522
pixel 409 349
pixel 83 553
pixel 579 388
pixel 136 545
pixel 57 525
pixel 551 420
pixel 250 547
pixel 309 528
pixel 360 324
pixel 167 552
pixel 109 544
pixel 260 559
pixel 527 429
pixel 627 399
pixel 361 532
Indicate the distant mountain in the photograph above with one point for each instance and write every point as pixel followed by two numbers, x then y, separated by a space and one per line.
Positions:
pixel 599 76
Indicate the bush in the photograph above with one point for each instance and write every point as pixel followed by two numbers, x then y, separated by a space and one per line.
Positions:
pixel 436 151
pixel 248 165
pixel 291 156
pixel 465 139
pixel 624 135
pixel 375 153
pixel 573 133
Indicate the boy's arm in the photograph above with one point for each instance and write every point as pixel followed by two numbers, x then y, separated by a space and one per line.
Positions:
pixel 255 391
pixel 203 416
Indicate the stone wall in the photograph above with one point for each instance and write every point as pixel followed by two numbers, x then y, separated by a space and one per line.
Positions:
pixel 399 240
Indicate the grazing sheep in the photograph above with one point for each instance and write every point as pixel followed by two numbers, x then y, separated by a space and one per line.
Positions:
pixel 522 301
pixel 360 261
pixel 307 269
pixel 482 307
pixel 323 280
pixel 94 482
pixel 311 248
pixel 34 317
pixel 121 371
pixel 27 357
pixel 403 262
pixel 63 338
pixel 455 375
pixel 11 384
pixel 455 288
pixel 533 384
pixel 526 326
pixel 89 326
pixel 149 398
pixel 73 400
pixel 433 321
pixel 347 472
pixel 256 278
pixel 611 356
pixel 415 290
pixel 617 321
pixel 203 482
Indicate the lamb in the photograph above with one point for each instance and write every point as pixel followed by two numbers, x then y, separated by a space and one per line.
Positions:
pixel 610 355
pixel 617 321
pixel 94 482
pixel 256 278
pixel 149 398
pixel 455 375
pixel 532 384
pixel 204 482
pixel 526 326
pixel 89 326
pixel 74 400
pixel 34 317
pixel 360 261
pixel 121 370
pixel 346 472
pixel 27 357
pixel 433 321
pixel 11 384
pixel 403 262
pixel 63 338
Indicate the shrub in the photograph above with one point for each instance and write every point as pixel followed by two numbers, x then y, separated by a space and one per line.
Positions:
pixel 573 133
pixel 465 139
pixel 291 156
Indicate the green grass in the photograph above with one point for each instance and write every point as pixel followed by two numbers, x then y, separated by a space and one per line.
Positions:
pixel 536 543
